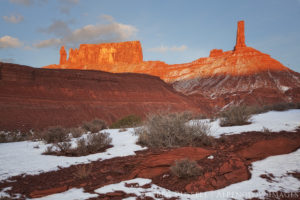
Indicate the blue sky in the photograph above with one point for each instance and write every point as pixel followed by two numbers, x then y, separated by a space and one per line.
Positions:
pixel 173 31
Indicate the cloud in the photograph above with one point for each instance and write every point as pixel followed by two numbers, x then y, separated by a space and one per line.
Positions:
pixel 9 42
pixel 48 43
pixel 66 5
pixel 110 32
pixel 22 2
pixel 58 27
pixel 164 49
pixel 15 19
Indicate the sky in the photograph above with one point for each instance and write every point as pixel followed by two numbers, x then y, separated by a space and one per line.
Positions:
pixel 173 31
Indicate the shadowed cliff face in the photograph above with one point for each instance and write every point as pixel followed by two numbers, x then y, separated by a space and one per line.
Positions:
pixel 37 98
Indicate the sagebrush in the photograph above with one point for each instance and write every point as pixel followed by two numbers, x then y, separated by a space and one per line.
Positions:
pixel 172 130
pixel 186 168
pixel 236 115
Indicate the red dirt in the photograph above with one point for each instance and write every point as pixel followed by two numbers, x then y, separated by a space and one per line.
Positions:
pixel 230 165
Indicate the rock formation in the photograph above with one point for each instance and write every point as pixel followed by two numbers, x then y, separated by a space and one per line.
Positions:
pixel 63 56
pixel 32 98
pixel 252 76
pixel 240 36
pixel 103 54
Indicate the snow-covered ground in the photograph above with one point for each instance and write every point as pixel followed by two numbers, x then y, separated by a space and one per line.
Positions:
pixel 274 121
pixel 23 158
pixel 279 166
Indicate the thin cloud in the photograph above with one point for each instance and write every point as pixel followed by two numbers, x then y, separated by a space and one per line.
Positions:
pixel 9 42
pixel 58 28
pixel 15 19
pixel 66 5
pixel 22 2
pixel 110 32
pixel 47 43
pixel 164 49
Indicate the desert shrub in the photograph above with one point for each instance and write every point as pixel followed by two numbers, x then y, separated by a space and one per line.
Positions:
pixel 94 126
pixel 77 132
pixel 93 143
pixel 82 171
pixel 53 134
pixel 172 130
pixel 236 115
pixel 186 168
pixel 126 122
pixel 14 136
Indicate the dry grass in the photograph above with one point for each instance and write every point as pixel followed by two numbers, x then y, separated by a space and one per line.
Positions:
pixel 186 168
pixel 236 115
pixel 83 171
pixel 126 122
pixel 94 126
pixel 171 130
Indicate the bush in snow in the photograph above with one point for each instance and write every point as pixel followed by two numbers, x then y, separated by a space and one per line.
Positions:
pixel 186 168
pixel 94 126
pixel 77 132
pixel 236 115
pixel 172 130
pixel 14 136
pixel 126 122
pixel 53 134
pixel 93 143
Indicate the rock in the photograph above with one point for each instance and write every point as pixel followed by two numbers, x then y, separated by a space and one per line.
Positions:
pixel 265 148
pixel 243 74
pixel 32 98
pixel 240 36
pixel 42 193
pixel 157 165
pixel 63 56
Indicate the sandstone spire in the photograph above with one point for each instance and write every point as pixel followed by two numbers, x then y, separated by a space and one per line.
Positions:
pixel 240 36
pixel 63 56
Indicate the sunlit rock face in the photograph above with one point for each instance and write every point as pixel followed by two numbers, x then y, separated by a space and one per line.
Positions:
pixel 241 75
pixel 128 57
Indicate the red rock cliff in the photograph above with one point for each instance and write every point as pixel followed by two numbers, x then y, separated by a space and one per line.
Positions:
pixel 127 57
pixel 102 54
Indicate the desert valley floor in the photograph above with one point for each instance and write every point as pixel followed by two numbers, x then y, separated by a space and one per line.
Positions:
pixel 256 161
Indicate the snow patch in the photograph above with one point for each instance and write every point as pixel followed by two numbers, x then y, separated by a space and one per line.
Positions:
pixel 72 194
pixel 274 121
pixel 22 158
pixel 257 186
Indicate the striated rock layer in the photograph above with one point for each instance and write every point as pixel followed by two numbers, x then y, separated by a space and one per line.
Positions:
pixel 241 75
pixel 32 98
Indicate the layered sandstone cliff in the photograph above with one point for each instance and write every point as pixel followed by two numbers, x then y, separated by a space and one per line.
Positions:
pixel 32 98
pixel 241 75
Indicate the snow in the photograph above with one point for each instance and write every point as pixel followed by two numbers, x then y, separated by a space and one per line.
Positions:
pixel 273 120
pixel 22 158
pixel 279 166
pixel 72 194
pixel 283 88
